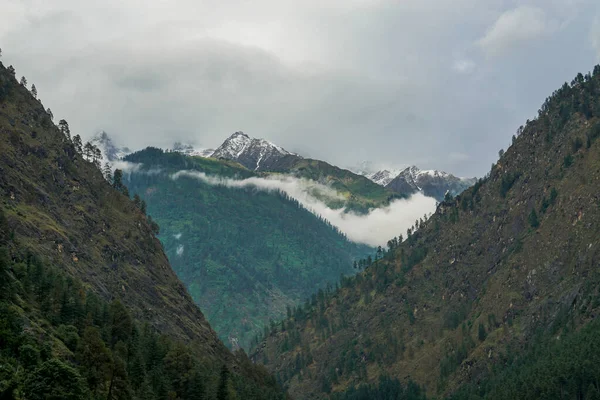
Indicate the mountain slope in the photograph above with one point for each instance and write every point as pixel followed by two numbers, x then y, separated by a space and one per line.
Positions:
pixel 244 254
pixel 110 152
pixel 512 258
pixel 190 150
pixel 360 193
pixel 254 154
pixel 59 209
pixel 383 177
pixel 432 183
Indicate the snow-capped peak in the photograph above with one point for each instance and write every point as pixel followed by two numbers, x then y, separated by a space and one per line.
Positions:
pixel 384 176
pixel 190 150
pixel 253 153
pixel 110 151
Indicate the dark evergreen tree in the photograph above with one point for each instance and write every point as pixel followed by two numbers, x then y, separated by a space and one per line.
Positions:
pixel 63 126
pixel 107 172
pixel 78 144
pixel 533 219
pixel 223 390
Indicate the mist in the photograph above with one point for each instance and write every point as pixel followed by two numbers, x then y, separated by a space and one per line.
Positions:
pixel 374 228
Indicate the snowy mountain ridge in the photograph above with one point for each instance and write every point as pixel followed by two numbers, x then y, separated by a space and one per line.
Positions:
pixel 190 150
pixel 110 151
pixel 254 154
pixel 412 179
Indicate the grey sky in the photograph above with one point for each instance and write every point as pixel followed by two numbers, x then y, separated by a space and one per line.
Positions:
pixel 438 83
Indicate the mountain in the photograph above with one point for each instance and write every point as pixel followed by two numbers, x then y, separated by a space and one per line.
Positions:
pixel 496 296
pixel 410 180
pixel 431 183
pixel 360 194
pixel 110 151
pixel 384 177
pixel 245 255
pixel 254 154
pixel 89 304
pixel 190 150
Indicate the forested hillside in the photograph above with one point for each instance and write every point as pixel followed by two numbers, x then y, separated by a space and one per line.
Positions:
pixel 496 296
pixel 89 305
pixel 245 255
pixel 361 194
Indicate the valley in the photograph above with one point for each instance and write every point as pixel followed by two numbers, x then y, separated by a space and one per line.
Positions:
pixel 351 243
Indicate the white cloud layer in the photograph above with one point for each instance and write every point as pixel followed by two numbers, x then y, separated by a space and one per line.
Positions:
pixel 397 82
pixel 374 228
pixel 515 27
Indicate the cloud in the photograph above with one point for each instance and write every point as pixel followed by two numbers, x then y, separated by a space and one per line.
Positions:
pixel 515 27
pixel 463 66
pixel 595 36
pixel 395 82
pixel 374 228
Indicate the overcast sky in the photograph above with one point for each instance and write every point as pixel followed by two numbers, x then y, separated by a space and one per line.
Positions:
pixel 438 83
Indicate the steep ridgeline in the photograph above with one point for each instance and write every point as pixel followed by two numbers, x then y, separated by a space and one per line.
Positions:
pixel 254 154
pixel 430 182
pixel 482 297
pixel 190 150
pixel 360 193
pixel 245 255
pixel 410 180
pixel 110 151
pixel 89 305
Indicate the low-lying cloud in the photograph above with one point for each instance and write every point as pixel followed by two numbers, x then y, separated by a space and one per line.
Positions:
pixel 374 228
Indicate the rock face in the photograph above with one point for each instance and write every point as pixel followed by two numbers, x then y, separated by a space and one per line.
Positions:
pixel 110 151
pixel 254 154
pixel 406 181
pixel 431 182
pixel 190 150
pixel 384 176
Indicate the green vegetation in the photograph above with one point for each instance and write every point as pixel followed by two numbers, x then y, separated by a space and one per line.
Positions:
pixel 453 306
pixel 549 367
pixel 386 389
pixel 59 340
pixel 244 254
pixel 89 305
pixel 361 194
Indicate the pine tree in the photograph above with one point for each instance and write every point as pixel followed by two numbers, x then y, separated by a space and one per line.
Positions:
pixel 533 219
pixel 97 157
pixel 78 144
pixel 34 92
pixel 118 179
pixel 107 172
pixel 23 81
pixel 88 151
pixel 481 333
pixel 63 126
pixel 223 390
pixel 49 112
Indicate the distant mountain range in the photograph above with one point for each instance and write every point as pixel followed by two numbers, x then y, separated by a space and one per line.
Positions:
pixel 264 156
